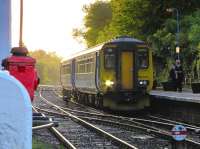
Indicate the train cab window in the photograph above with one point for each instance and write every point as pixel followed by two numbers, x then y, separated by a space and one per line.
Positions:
pixel 143 59
pixel 109 59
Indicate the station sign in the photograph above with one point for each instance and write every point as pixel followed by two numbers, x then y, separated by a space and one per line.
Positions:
pixel 179 132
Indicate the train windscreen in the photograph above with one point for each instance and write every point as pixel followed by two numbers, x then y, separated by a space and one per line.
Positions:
pixel 143 59
pixel 109 59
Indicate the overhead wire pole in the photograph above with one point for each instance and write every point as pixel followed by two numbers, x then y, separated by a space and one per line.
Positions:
pixel 178 30
pixel 21 25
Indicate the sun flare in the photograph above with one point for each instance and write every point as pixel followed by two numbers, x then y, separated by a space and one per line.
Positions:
pixel 48 24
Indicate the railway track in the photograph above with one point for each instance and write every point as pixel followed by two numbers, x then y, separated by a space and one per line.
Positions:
pixel 136 123
pixel 151 119
pixel 87 135
pixel 193 137
pixel 74 105
pixel 55 132
pixel 128 133
pixel 109 122
pixel 84 135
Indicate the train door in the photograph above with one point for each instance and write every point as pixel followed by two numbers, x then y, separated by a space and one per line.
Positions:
pixel 127 65
pixel 73 65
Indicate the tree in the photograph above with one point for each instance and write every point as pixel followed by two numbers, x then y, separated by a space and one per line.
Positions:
pixel 193 37
pixel 48 66
pixel 137 18
pixel 164 43
pixel 98 15
pixel 148 20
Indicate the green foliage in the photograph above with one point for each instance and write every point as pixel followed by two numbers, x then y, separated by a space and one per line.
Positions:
pixel 148 20
pixel 107 33
pixel 194 39
pixel 48 66
pixel 194 27
pixel 40 145
pixel 140 18
pixel 164 41
pixel 126 19
pixel 137 18
pixel 127 16
pixel 98 15
pixel 37 144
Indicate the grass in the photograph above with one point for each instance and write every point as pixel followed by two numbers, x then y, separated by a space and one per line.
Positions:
pixel 37 144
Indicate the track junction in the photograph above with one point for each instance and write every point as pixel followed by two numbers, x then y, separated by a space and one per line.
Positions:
pixel 85 127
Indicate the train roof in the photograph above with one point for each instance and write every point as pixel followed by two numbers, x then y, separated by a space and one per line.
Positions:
pixel 119 39
pixel 126 39
pixel 86 51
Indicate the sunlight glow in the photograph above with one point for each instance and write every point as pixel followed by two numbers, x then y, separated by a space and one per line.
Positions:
pixel 48 24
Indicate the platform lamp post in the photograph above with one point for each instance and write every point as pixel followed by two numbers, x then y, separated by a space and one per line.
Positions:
pixel 178 30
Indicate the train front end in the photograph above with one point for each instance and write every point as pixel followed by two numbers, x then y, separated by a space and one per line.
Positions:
pixel 126 74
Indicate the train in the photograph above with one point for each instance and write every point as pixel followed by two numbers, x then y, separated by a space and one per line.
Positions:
pixel 22 67
pixel 116 75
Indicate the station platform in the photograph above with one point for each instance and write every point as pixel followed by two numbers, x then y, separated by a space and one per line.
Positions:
pixel 185 96
pixel 183 106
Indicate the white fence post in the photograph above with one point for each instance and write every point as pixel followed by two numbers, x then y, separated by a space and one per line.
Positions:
pixel 5 28
pixel 15 114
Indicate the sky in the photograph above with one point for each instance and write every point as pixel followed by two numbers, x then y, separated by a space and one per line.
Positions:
pixel 48 25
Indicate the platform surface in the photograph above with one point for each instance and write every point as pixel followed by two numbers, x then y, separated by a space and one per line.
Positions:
pixel 185 96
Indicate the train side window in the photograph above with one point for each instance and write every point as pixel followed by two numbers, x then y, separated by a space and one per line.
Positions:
pixel 63 69
pixel 82 68
pixel 66 69
pixel 88 67
pixel 143 58
pixel 76 68
pixel 85 65
pixel 92 64
pixel 92 67
pixel 109 59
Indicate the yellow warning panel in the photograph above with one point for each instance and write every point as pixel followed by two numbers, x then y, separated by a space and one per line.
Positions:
pixel 127 70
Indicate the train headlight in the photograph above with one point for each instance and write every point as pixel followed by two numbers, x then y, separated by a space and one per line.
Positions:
pixel 143 82
pixel 109 83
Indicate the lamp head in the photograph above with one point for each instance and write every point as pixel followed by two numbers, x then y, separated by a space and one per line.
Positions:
pixel 169 9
